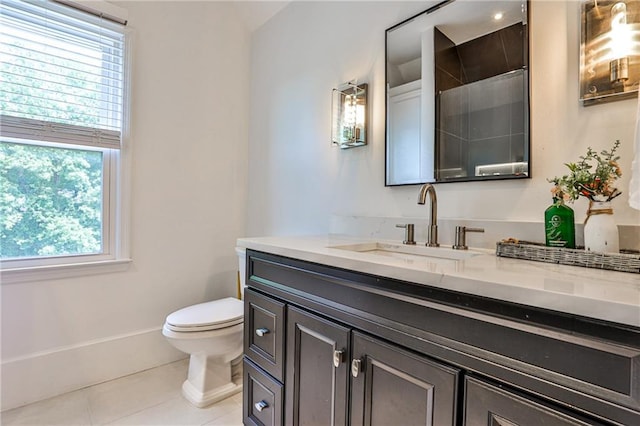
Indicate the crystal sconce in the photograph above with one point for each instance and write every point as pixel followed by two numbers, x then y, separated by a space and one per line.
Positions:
pixel 349 115
pixel 609 61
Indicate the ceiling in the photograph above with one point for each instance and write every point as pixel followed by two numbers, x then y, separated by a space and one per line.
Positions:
pixel 257 12
pixel 460 21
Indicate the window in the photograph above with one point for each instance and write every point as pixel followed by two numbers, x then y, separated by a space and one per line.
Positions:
pixel 62 116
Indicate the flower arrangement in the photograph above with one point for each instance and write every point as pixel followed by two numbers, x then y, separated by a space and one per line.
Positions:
pixel 584 180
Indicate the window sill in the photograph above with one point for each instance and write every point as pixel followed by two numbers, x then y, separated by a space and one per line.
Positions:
pixel 56 272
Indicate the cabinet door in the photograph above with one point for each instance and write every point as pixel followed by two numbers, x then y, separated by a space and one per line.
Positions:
pixel 317 370
pixel 391 386
pixel 487 405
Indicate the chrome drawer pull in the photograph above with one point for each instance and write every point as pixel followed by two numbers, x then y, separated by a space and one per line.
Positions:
pixel 262 331
pixel 261 405
pixel 356 366
pixel 338 357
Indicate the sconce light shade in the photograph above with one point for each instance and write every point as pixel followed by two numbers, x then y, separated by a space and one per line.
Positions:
pixel 609 53
pixel 349 115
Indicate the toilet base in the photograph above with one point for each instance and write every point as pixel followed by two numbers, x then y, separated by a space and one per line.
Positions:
pixel 211 379
pixel 200 399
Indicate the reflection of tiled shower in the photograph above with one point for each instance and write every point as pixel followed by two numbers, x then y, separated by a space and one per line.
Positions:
pixel 480 124
pixel 480 103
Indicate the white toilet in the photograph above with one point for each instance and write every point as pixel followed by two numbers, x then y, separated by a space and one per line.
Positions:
pixel 211 333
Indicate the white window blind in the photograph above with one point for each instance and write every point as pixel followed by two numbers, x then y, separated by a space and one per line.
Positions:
pixel 61 75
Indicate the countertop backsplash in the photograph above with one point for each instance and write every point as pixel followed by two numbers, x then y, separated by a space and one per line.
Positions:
pixel 385 228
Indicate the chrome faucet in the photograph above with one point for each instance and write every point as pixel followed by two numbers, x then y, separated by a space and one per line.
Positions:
pixel 432 232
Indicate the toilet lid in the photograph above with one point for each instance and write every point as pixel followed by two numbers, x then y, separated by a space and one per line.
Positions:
pixel 207 316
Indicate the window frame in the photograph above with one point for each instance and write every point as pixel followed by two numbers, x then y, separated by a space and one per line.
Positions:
pixel 114 255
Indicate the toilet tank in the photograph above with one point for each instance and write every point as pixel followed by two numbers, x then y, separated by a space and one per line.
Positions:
pixel 242 267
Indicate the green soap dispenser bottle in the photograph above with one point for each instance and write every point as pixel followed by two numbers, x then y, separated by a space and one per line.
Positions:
pixel 559 225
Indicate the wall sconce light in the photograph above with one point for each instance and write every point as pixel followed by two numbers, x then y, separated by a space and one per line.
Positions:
pixel 609 61
pixel 349 115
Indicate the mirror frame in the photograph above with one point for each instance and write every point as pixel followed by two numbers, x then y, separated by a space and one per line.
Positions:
pixel 527 106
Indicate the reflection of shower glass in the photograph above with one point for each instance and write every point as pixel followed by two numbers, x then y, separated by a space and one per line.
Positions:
pixel 480 129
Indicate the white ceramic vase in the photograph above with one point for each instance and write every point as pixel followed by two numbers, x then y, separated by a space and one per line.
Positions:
pixel 600 229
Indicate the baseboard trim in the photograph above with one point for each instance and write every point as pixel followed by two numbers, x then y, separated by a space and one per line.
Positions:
pixel 45 374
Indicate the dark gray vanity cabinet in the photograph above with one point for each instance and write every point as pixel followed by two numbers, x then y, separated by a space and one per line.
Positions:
pixel 264 332
pixel 327 346
pixel 487 405
pixel 317 373
pixel 391 386
pixel 263 366
pixel 262 396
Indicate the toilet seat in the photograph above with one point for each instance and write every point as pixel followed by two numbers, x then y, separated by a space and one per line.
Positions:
pixel 207 316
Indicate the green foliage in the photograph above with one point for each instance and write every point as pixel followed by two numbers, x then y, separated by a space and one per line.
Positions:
pixel 50 201
pixel 584 180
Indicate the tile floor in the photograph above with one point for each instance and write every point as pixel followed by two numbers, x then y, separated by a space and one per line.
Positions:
pixel 151 397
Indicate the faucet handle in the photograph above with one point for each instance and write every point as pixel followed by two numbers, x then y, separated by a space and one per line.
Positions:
pixel 461 237
pixel 408 233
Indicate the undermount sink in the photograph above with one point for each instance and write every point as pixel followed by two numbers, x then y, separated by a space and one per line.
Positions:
pixel 387 249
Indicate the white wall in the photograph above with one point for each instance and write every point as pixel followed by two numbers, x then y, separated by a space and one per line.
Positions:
pixel 188 206
pixel 190 171
pixel 297 180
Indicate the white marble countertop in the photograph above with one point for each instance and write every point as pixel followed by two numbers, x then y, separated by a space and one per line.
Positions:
pixel 594 293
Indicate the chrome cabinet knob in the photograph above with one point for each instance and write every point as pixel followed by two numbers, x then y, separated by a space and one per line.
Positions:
pixel 262 331
pixel 356 367
pixel 261 405
pixel 338 358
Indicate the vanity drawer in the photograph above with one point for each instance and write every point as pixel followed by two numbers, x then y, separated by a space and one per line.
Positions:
pixel 264 332
pixel 262 396
pixel 486 404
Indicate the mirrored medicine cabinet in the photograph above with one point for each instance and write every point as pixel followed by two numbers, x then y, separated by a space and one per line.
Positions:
pixel 457 81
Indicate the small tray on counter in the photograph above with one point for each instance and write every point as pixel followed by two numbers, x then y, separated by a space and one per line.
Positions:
pixel 623 262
